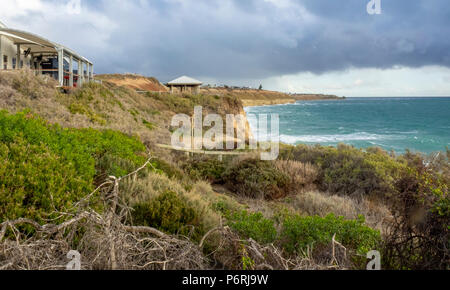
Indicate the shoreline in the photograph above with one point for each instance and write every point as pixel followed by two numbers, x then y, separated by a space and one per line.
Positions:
pixel 283 101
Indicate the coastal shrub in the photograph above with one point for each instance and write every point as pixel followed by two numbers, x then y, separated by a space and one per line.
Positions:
pixel 34 182
pixel 206 169
pixel 302 175
pixel 201 199
pixel 419 234
pixel 322 204
pixel 142 190
pixel 83 147
pixel 300 232
pixel 170 170
pixel 253 225
pixel 62 164
pixel 316 203
pixel 168 212
pixel 255 178
pixel 347 170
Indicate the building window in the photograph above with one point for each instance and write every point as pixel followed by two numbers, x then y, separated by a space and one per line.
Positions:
pixel 14 63
pixel 5 62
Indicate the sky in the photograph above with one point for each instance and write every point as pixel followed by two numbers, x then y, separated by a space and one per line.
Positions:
pixel 297 46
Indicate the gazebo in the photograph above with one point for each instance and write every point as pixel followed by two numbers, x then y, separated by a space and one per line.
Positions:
pixel 184 84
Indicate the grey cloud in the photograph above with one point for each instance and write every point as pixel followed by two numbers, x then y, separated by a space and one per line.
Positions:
pixel 257 39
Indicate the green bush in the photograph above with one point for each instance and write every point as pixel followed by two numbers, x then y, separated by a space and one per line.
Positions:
pixel 205 169
pixel 253 225
pixel 347 170
pixel 419 235
pixel 299 232
pixel 167 168
pixel 46 167
pixel 168 212
pixel 34 182
pixel 257 179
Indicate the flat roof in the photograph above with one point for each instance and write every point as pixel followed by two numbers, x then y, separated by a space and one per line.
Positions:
pixel 37 44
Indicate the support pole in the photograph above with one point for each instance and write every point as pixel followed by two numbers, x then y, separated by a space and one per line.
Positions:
pixel 18 57
pixel 61 66
pixel 92 72
pixel 71 71
pixel 80 74
pixel 1 55
pixel 83 75
pixel 88 73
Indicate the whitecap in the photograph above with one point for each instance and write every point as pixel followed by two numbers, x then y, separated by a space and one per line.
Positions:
pixel 361 136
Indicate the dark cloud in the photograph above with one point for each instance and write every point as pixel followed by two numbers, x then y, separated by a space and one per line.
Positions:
pixel 256 39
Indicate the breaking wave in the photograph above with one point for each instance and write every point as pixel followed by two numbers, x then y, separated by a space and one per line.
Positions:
pixel 361 136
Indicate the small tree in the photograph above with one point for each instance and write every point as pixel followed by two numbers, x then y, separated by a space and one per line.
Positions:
pixel 260 87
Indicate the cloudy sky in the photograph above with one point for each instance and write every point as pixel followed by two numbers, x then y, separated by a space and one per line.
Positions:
pixel 306 46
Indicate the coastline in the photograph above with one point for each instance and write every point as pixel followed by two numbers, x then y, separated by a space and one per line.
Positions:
pixel 288 100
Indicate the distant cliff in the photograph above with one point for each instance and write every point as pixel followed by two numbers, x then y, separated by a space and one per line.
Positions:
pixel 253 97
pixel 310 97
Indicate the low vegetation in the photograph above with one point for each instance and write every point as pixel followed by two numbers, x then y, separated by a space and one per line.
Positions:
pixel 75 172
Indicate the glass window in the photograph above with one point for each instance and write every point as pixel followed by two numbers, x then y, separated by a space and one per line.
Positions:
pixel 5 62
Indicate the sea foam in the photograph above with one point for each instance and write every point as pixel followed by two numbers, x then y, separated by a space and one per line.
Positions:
pixel 360 136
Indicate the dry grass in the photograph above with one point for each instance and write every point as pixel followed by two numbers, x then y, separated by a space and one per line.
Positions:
pixel 133 81
pixel 233 253
pixel 315 203
pixel 201 197
pixel 96 106
pixel 303 175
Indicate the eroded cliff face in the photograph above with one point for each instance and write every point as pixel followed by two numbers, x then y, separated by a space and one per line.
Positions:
pixel 231 105
pixel 252 97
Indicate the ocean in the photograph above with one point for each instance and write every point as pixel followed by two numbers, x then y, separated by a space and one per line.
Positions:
pixel 418 124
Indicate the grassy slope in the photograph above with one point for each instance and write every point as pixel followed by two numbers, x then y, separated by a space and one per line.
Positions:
pixel 134 81
pixel 106 106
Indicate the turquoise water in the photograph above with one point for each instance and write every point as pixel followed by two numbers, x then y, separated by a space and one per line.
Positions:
pixel 419 124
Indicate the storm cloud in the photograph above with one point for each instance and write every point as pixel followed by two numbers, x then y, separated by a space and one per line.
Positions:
pixel 248 39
